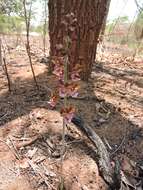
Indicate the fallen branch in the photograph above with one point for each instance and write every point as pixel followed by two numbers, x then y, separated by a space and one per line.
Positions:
pixel 103 155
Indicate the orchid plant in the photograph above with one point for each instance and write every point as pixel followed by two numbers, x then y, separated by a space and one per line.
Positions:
pixel 67 76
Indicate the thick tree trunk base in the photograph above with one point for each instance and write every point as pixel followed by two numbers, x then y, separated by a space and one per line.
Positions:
pixel 89 16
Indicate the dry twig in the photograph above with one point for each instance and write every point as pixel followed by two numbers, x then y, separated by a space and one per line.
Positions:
pixel 14 153
pixel 26 143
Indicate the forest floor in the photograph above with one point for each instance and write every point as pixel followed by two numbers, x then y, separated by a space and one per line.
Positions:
pixel 31 133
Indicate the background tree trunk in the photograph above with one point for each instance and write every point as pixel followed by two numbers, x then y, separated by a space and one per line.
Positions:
pixel 90 16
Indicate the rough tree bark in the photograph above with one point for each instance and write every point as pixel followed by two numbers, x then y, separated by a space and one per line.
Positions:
pixel 105 18
pixel 90 16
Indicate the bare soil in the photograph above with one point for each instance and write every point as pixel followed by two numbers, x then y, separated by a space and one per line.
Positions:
pixel 31 133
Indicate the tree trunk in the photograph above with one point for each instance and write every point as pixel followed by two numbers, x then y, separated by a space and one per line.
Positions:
pixel 90 15
pixel 105 19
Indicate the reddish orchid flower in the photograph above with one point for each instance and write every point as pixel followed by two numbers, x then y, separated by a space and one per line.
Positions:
pixel 53 100
pixel 68 114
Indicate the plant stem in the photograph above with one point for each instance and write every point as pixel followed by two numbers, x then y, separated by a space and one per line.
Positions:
pixel 65 101
pixel 66 61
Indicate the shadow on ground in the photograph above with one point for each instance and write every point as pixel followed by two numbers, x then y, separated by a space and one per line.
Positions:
pixel 105 118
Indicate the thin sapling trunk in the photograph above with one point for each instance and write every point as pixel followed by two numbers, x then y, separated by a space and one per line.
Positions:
pixel 4 66
pixel 28 49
